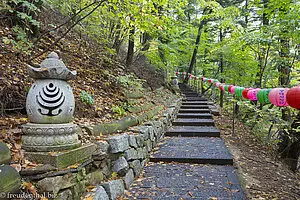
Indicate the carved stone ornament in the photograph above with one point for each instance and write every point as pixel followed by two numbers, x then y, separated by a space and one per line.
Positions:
pixel 174 80
pixel 52 68
pixel 50 107
pixel 50 102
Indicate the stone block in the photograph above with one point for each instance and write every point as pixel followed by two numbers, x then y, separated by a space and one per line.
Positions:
pixel 102 147
pixel 63 159
pixel 132 141
pixel 100 194
pixel 131 154
pixel 144 131
pixel 120 166
pixel 114 188
pixel 128 178
pixel 106 168
pixel 149 145
pixel 5 154
pixel 152 132
pixel 95 177
pixel 65 195
pixel 118 143
pixel 140 141
pixel 140 153
pixel 57 183
pixel 136 166
pixel 10 180
pixel 145 152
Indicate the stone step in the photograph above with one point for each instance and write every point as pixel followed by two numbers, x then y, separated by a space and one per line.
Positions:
pixel 201 150
pixel 193 122
pixel 194 111
pixel 189 92
pixel 191 95
pixel 195 115
pixel 194 106
pixel 193 131
pixel 195 99
pixel 195 103
pixel 186 181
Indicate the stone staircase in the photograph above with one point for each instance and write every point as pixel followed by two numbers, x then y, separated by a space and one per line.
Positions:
pixel 192 162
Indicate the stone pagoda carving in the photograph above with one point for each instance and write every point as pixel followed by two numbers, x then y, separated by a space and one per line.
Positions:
pixel 50 107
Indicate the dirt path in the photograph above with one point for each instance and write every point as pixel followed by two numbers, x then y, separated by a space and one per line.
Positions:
pixel 262 175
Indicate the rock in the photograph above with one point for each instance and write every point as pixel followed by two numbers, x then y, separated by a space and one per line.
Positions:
pixel 145 152
pixel 106 168
pixel 144 131
pixel 149 145
pixel 143 163
pixel 5 155
pixel 10 180
pixel 100 194
pixel 65 195
pixel 114 188
pixel 120 166
pixel 136 166
pixel 128 178
pixel 131 154
pixel 140 141
pixel 57 183
pixel 132 141
pixel 151 132
pixel 95 177
pixel 140 153
pixel 118 143
pixel 102 148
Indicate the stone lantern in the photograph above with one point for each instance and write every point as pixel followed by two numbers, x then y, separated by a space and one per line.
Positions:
pixel 174 84
pixel 174 80
pixel 50 107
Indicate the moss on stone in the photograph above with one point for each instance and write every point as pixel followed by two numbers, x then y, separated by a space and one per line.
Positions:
pixel 5 154
pixel 10 180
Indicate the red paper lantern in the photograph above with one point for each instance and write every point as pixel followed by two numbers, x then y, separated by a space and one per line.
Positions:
pixel 293 97
pixel 232 89
pixel 229 88
pixel 222 87
pixel 184 73
pixel 177 73
pixel 245 92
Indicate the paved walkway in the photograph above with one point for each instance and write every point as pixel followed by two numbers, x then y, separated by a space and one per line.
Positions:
pixel 192 162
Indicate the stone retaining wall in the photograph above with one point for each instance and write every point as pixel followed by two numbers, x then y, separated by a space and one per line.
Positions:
pixel 115 163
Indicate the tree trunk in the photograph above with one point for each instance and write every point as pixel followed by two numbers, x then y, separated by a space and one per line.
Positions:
pixel 193 59
pixel 130 51
pixel 146 38
pixel 221 65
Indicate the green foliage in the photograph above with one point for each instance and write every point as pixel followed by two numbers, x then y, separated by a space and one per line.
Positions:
pixel 119 111
pixel 86 97
pixel 130 82
pixel 20 42
pixel 24 10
